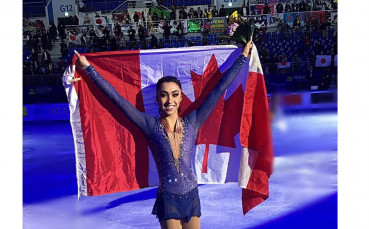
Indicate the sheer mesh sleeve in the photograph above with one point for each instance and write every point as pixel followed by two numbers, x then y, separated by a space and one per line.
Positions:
pixel 140 119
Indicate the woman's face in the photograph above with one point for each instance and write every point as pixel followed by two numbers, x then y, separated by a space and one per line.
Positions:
pixel 169 98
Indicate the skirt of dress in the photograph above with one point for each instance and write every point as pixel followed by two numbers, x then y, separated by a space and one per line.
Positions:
pixel 175 206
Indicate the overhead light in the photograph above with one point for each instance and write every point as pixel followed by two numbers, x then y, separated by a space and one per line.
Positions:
pixel 66 14
pixel 230 4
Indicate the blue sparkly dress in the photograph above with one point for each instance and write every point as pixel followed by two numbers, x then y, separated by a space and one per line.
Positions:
pixel 177 195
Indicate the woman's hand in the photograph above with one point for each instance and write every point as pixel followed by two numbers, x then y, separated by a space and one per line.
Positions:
pixel 247 49
pixel 81 61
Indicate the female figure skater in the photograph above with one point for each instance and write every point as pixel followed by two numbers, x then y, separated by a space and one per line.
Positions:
pixel 171 139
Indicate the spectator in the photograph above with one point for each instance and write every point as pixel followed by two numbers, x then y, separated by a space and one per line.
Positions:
pixel 244 11
pixel 54 69
pixel 195 14
pixel 307 5
pixel 149 12
pixel 61 30
pixel 52 32
pixel 28 39
pixel 35 45
pixel 155 16
pixel 287 7
pixel 210 15
pixel 267 59
pixel 113 44
pixel 86 19
pixel 310 76
pixel 83 38
pixel 128 17
pixel 63 49
pixel 266 9
pixel 214 11
pixel 76 20
pixel 302 5
pixel 117 29
pixel 181 13
pixel 143 16
pixel 180 29
pixel 295 6
pixel 297 22
pixel 93 36
pixel 190 13
pixel 173 15
pixel 161 16
pixel 141 33
pixel 206 15
pixel 222 11
pixel 131 34
pixel 199 12
pixel 44 39
pixel 166 30
pixel 97 14
pixel 279 7
pixel 35 67
pixel 106 33
pixel 154 41
pixel 185 16
pixel 135 17
pixel 45 58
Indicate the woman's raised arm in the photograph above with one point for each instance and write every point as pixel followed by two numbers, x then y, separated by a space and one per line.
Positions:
pixel 140 119
pixel 199 116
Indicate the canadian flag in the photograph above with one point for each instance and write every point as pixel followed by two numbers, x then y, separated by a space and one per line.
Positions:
pixel 234 144
pixel 323 60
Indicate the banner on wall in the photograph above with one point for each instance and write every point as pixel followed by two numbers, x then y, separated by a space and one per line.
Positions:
pixel 291 17
pixel 125 27
pixel 195 26
pixel 260 8
pixel 218 25
pixel 174 25
pixel 260 18
pixel 274 19
pixel 315 15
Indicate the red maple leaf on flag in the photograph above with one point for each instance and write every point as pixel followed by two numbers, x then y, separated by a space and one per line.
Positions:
pixel 219 128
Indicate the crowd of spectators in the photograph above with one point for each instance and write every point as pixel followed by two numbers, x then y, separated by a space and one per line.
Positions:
pixel 36 52
pixel 303 48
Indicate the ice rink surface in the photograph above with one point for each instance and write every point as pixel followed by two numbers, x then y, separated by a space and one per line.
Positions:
pixel 302 191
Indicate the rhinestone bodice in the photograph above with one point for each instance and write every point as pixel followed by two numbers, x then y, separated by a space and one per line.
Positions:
pixel 169 179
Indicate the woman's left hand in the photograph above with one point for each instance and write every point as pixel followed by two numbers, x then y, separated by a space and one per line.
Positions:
pixel 247 48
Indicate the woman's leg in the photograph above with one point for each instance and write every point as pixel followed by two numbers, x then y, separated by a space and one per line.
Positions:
pixel 171 224
pixel 194 223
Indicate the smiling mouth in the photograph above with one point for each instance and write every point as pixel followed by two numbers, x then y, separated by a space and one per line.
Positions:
pixel 170 107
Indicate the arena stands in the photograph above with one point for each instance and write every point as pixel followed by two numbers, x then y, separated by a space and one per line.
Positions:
pixel 290 51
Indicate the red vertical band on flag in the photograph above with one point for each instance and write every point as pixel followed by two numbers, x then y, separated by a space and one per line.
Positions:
pixel 205 161
pixel 255 134
pixel 112 156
